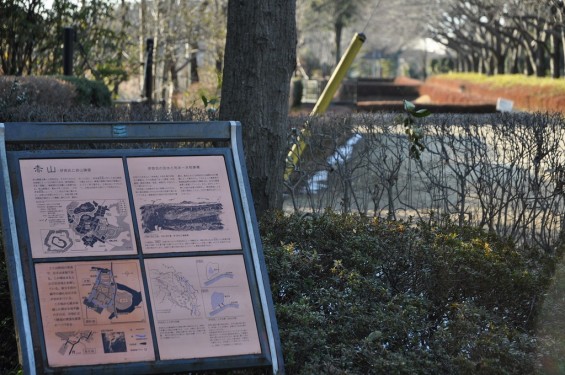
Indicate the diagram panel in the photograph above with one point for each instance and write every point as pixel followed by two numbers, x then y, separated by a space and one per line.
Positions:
pixel 202 307
pixel 77 207
pixel 94 312
pixel 183 203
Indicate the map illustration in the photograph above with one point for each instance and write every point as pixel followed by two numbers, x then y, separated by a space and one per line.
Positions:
pixel 95 222
pixel 79 342
pixel 58 241
pixel 202 306
pixel 107 294
pixel 219 305
pixel 173 287
pixel 213 274
pixel 183 216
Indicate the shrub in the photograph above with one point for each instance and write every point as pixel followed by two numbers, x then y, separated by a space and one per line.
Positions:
pixel 358 295
pixel 90 92
pixel 43 91
pixel 37 98
pixel 504 172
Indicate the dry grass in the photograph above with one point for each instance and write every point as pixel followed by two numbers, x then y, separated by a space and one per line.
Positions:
pixel 528 93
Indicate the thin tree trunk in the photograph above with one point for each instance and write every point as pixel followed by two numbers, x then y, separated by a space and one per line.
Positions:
pixel 555 56
pixel 142 33
pixel 194 77
pixel 338 31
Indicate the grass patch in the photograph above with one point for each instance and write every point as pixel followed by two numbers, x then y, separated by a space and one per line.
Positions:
pixel 550 85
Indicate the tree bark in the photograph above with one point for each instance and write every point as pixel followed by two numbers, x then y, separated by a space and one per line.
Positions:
pixel 260 58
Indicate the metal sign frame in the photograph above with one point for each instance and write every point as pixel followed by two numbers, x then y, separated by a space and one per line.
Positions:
pixel 15 235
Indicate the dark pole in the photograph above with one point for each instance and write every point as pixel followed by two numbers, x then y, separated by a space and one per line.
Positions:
pixel 68 44
pixel 148 76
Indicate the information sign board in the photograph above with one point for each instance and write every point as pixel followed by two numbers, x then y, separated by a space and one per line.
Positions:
pixel 134 260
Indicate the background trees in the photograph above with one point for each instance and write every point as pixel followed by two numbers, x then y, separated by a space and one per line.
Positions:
pixel 497 36
pixel 392 28
pixel 488 36
pixel 31 38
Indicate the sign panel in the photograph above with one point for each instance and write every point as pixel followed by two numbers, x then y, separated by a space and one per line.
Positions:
pixel 77 207
pixel 183 203
pixel 93 312
pixel 202 307
pixel 134 261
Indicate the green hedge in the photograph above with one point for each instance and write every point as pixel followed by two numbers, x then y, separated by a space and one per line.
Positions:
pixel 357 295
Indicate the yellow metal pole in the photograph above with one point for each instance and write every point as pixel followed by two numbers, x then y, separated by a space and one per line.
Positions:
pixel 325 99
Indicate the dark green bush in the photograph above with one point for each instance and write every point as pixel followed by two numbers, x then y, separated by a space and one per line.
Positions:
pixel 357 295
pixel 90 92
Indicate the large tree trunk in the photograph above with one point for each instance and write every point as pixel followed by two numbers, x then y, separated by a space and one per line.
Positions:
pixel 260 58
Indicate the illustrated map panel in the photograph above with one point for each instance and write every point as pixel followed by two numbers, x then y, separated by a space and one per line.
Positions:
pixel 94 313
pixel 77 207
pixel 183 203
pixel 202 307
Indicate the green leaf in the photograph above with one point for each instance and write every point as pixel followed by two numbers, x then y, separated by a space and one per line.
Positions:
pixel 409 106
pixel 374 336
pixel 204 100
pixel 422 113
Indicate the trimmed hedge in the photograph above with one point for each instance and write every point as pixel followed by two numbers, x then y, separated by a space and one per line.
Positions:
pixel 49 93
pixel 43 91
pixel 358 295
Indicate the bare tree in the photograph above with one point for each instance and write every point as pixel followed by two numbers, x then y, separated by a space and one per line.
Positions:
pixel 495 36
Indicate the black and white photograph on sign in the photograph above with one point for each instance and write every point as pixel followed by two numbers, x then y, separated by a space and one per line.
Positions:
pixel 183 203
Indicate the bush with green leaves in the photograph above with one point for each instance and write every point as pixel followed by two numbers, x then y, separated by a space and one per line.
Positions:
pixel 90 92
pixel 358 295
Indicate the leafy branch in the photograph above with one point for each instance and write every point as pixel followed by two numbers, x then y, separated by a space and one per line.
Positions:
pixel 413 130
